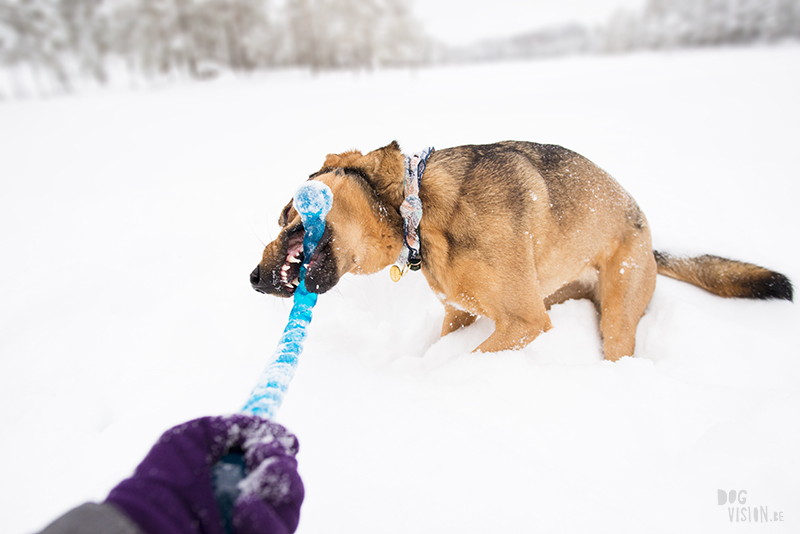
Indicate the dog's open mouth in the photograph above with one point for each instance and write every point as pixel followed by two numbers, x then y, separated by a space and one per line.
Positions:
pixel 290 270
pixel 280 274
pixel 320 269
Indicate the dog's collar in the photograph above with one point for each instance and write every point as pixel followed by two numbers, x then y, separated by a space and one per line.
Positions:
pixel 411 211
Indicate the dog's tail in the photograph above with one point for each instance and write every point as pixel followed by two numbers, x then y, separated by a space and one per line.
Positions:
pixel 726 278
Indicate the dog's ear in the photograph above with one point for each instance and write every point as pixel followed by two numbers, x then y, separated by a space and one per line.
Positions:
pixel 352 158
pixel 386 170
pixel 394 146
pixel 283 220
pixel 383 167
pixel 383 161
pixel 387 156
pixel 380 161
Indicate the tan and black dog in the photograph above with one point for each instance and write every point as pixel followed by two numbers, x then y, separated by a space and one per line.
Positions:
pixel 508 230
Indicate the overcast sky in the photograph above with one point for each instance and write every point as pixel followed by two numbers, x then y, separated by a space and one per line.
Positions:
pixel 465 21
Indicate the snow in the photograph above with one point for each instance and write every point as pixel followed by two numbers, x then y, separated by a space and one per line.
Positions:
pixel 131 221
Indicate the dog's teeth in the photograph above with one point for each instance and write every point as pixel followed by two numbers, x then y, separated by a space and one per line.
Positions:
pixel 296 281
pixel 293 259
pixel 286 268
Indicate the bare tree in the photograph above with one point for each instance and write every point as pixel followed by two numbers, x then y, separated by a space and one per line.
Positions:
pixel 35 40
pixel 64 42
pixel 85 35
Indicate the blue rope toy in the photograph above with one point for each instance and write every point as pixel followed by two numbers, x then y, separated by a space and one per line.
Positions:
pixel 313 202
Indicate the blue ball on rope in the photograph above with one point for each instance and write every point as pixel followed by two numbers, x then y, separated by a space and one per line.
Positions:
pixel 312 201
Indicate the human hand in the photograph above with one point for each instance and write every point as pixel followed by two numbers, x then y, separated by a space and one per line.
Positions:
pixel 170 491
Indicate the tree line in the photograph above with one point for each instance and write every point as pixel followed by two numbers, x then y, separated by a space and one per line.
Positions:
pixel 665 24
pixel 52 45
pixel 660 24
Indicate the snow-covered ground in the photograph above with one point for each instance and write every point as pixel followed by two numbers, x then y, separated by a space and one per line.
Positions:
pixel 130 221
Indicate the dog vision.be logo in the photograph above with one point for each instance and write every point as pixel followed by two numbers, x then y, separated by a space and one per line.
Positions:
pixel 739 512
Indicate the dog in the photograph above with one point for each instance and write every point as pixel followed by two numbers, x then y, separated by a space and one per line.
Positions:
pixel 508 230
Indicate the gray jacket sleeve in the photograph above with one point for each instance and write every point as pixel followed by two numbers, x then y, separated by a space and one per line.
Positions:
pixel 92 518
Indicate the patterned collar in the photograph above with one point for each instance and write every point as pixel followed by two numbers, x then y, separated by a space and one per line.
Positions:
pixel 411 211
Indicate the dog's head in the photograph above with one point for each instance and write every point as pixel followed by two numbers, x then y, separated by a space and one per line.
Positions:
pixel 363 230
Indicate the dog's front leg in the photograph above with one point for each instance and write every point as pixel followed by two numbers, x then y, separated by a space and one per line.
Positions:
pixel 513 333
pixel 455 319
pixel 516 306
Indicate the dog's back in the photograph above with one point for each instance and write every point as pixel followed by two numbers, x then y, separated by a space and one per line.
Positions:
pixel 519 202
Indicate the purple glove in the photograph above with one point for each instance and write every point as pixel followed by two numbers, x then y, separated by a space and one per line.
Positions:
pixel 170 491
